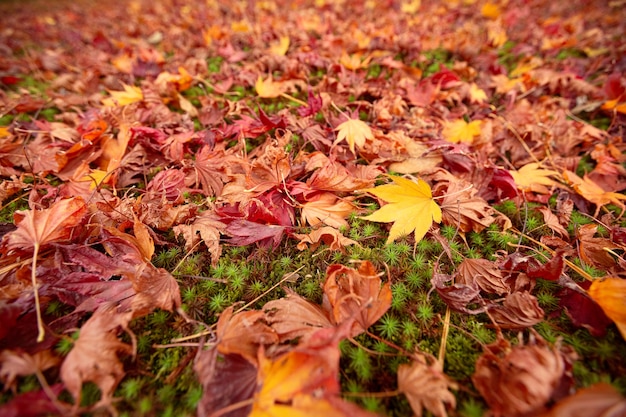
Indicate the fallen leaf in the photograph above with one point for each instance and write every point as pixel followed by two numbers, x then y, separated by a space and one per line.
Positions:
pixel 411 207
pixel 155 288
pixel 280 47
pixel 327 235
pixel 35 403
pixel 519 310
pixel 610 293
pixel 482 273
pixel 426 386
pixel 355 294
pixel 552 221
pixel 598 400
pixel 206 227
pixel 355 132
pixel 520 380
pixel 15 363
pixel 131 94
pixel 531 177
pixel 457 296
pixel 94 356
pixel 595 250
pixel 460 131
pixel 328 209
pixel 268 88
pixel 584 311
pixel 592 192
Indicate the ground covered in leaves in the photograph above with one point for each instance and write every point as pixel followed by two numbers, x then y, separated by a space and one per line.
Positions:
pixel 338 208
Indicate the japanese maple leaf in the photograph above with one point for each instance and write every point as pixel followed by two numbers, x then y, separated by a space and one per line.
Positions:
pixel 411 207
pixel 610 293
pixel 328 209
pixel 268 88
pixel 355 132
pixel 531 177
pixel 592 192
pixel 461 131
pixel 131 94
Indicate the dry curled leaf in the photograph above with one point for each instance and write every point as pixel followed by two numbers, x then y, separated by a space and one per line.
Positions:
pixel 519 310
pixel 482 273
pixel 327 235
pixel 355 293
pixel 520 380
pixel 426 386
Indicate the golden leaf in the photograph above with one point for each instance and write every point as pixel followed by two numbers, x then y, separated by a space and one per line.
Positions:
pixel 354 131
pixel 531 177
pixel 131 94
pixel 610 293
pixel 268 88
pixel 280 47
pixel 411 207
pixel 592 192
pixel 461 131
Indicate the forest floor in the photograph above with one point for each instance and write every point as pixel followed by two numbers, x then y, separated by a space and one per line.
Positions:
pixel 312 207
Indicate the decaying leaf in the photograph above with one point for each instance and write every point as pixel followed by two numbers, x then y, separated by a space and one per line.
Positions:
pixel 426 386
pixel 520 380
pixel 482 273
pixel 94 356
pixel 610 293
pixel 355 294
pixel 519 310
pixel 411 207
pixel 355 132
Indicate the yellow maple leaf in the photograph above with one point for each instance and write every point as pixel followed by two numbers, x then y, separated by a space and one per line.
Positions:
pixel 610 293
pixel 491 10
pixel 411 6
pixel 131 94
pixel 355 132
pixel 461 131
pixel 355 61
pixel 280 47
pixel 477 94
pixel 410 206
pixel 531 177
pixel 268 88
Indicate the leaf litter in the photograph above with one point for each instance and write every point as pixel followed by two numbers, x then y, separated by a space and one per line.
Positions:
pixel 456 182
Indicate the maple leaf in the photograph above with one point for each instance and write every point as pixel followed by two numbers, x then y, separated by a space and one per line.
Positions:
pixel 610 293
pixel 591 191
pixel 328 209
pixel 482 273
pixel 411 207
pixel 520 380
pixel 350 293
pixel 519 310
pixel 426 386
pixel 94 356
pixel 598 400
pixel 531 177
pixel 280 47
pixel 37 228
pixel 328 235
pixel 206 227
pixel 16 363
pixel 268 88
pixel 355 132
pixel 460 131
pixel 131 94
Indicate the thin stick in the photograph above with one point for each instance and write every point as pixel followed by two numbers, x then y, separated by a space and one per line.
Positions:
pixel 288 97
pixel 444 336
pixel 41 332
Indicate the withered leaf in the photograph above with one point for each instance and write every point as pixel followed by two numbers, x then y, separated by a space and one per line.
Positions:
pixel 584 311
pixel 206 227
pixel 426 386
pixel 295 318
pixel 15 363
pixel 482 273
pixel 520 309
pixel 520 380
pixel 327 235
pixel 593 250
pixel 457 296
pixel 355 293
pixel 155 288
pixel 598 400
pixel 242 333
pixel 94 356
pixel 326 208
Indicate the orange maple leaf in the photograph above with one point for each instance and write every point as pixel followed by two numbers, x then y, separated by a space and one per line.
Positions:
pixel 355 132
pixel 592 192
pixel 411 207
pixel 328 209
pixel 610 293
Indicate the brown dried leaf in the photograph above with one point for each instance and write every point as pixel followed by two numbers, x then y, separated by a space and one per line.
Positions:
pixel 15 363
pixel 593 250
pixel 335 176
pixel 599 400
pixel 327 235
pixel 293 317
pixel 552 221
pixel 521 380
pixel 242 333
pixel 457 296
pixel 482 273
pixel 355 293
pixel 326 208
pixel 209 227
pixel 519 310
pixel 156 288
pixel 426 386
pixel 94 356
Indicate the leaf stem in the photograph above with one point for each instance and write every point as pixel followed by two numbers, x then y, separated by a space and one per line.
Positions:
pixel 295 100
pixel 41 332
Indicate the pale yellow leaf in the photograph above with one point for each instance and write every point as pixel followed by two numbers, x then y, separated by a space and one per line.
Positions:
pixel 355 132
pixel 531 177
pixel 268 88
pixel 461 131
pixel 410 206
pixel 280 47
pixel 131 94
